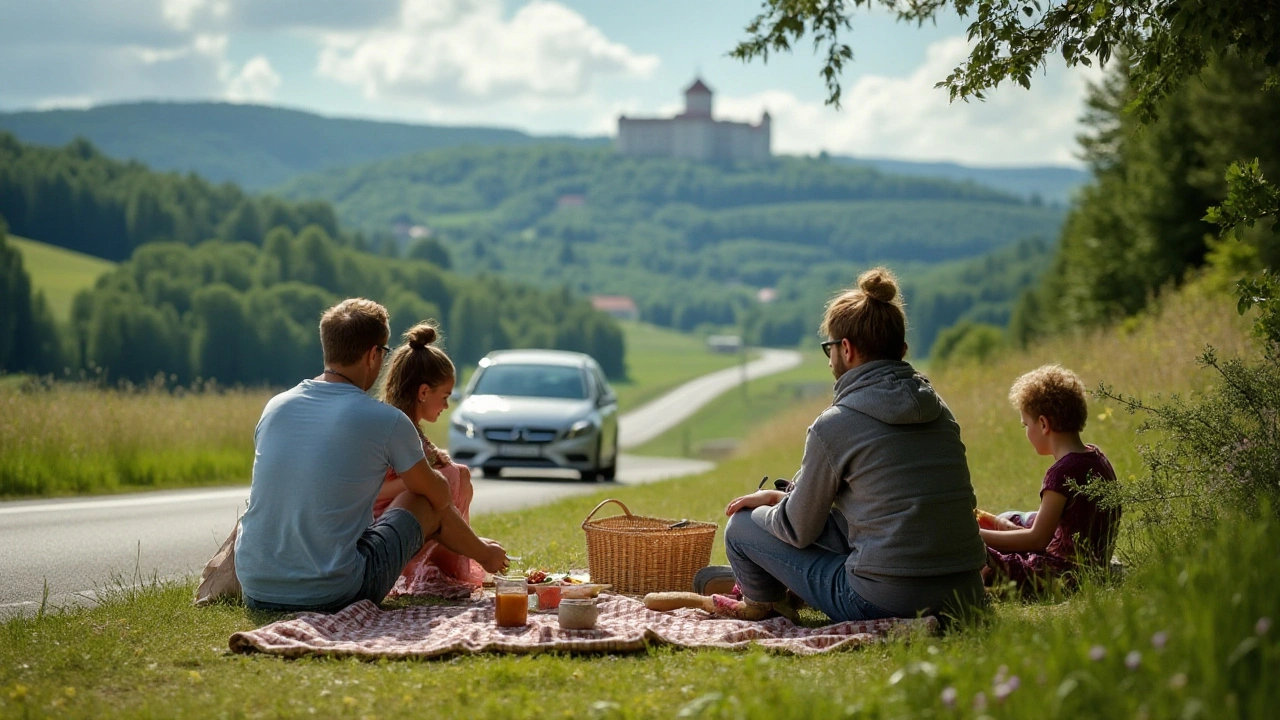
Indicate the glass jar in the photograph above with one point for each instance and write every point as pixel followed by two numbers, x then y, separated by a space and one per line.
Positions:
pixel 578 613
pixel 511 601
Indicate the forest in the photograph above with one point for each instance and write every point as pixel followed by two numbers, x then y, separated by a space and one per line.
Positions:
pixel 220 285
pixel 693 243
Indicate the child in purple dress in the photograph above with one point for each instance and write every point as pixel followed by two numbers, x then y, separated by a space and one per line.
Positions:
pixel 1069 530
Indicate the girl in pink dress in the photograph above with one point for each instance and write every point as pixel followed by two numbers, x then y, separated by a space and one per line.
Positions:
pixel 420 378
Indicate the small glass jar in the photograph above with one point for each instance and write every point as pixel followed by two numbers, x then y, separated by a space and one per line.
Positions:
pixel 511 601
pixel 578 613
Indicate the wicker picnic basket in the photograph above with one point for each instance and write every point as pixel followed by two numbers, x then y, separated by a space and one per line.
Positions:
pixel 639 555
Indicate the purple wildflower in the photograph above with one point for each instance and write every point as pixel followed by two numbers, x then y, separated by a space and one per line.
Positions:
pixel 980 702
pixel 1097 652
pixel 949 696
pixel 1159 640
pixel 1263 626
pixel 1002 672
pixel 1006 688
pixel 1133 660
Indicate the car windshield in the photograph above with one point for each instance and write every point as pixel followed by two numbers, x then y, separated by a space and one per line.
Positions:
pixel 553 381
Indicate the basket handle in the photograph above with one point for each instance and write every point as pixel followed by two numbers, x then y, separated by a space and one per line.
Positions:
pixel 602 504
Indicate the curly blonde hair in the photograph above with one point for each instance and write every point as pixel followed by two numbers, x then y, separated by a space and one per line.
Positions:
pixel 1054 392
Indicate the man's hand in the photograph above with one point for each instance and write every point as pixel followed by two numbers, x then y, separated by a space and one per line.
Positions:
pixel 493 558
pixel 755 500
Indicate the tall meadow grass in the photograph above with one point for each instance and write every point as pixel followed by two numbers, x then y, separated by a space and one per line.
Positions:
pixel 64 439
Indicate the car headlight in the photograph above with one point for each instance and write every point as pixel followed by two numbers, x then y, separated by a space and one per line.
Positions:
pixel 584 426
pixel 463 426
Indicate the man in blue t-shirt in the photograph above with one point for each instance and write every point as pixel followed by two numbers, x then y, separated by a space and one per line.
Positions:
pixel 322 450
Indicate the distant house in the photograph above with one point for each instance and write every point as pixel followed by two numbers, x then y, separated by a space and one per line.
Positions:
pixel 724 343
pixel 766 295
pixel 565 202
pixel 694 133
pixel 619 306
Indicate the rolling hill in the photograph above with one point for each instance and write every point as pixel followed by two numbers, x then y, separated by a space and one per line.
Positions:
pixel 251 145
pixel 258 147
pixel 59 273
pixel 1049 183
pixel 694 244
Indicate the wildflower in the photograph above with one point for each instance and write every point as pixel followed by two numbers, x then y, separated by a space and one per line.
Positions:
pixel 1097 652
pixel 1133 660
pixel 1006 688
pixel 1002 672
pixel 980 702
pixel 194 675
pixel 348 700
pixel 1178 681
pixel 949 695
pixel 70 691
pixel 1159 640
pixel 1263 626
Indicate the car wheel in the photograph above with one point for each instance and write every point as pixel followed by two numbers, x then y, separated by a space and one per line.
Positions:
pixel 491 472
pixel 611 473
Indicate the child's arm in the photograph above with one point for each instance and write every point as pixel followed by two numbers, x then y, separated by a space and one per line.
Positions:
pixel 1035 538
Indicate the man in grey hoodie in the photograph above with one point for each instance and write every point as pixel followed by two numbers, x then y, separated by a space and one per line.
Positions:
pixel 879 519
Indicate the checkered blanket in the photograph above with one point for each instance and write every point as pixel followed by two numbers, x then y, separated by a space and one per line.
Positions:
pixel 625 625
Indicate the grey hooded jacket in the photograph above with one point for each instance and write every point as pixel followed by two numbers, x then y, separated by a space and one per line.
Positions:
pixel 886 463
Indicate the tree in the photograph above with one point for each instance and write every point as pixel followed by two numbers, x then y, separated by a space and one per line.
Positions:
pixel 28 339
pixel 1168 42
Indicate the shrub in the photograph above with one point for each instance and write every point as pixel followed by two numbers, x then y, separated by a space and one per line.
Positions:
pixel 1216 453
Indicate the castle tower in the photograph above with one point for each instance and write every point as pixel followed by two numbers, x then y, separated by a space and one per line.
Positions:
pixel 697 100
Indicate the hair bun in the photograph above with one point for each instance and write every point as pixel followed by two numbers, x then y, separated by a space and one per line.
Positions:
pixel 879 284
pixel 421 335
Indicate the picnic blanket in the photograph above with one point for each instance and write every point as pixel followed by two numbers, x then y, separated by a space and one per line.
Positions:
pixel 625 625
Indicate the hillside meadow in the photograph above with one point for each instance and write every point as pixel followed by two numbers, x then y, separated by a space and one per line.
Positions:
pixel 59 273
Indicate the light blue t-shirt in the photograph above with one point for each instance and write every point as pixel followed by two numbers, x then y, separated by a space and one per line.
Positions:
pixel 322 450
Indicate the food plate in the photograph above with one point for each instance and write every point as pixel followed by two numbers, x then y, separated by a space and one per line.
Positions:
pixel 584 590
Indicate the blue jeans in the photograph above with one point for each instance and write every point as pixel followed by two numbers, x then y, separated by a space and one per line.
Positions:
pixel 387 546
pixel 766 567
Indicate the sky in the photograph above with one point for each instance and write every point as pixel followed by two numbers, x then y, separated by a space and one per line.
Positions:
pixel 543 66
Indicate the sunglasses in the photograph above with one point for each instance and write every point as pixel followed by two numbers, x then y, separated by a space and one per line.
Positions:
pixel 826 347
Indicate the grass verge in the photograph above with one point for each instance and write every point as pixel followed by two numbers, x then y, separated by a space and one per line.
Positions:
pixel 719 428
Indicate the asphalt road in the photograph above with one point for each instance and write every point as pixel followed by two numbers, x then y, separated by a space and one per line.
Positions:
pixel 73 548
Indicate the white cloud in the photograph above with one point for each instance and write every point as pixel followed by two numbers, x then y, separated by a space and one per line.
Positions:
pixel 82 52
pixel 257 82
pixel 461 51
pixel 908 118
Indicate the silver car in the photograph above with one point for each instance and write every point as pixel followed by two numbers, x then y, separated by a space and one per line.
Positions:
pixel 537 409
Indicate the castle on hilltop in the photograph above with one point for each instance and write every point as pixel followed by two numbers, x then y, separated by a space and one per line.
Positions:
pixel 694 133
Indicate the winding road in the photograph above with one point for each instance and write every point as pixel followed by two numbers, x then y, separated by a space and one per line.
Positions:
pixel 70 547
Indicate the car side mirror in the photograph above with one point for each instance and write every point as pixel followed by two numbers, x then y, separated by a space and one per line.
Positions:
pixel 606 399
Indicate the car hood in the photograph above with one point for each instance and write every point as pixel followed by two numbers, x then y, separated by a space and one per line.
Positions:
pixel 491 410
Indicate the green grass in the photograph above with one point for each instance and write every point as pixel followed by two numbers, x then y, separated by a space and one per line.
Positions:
pixel 147 652
pixel 659 360
pixel 721 425
pixel 59 273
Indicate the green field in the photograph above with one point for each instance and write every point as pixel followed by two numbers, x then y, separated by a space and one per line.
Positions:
pixel 1188 634
pixel 719 428
pixel 59 273
pixel 659 360
pixel 69 439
